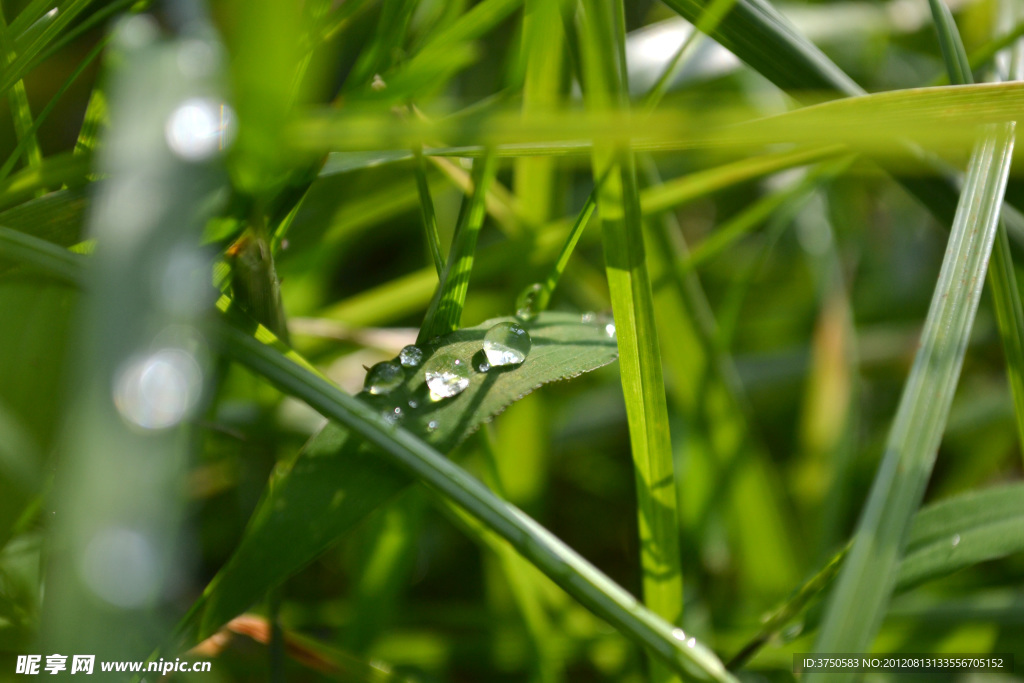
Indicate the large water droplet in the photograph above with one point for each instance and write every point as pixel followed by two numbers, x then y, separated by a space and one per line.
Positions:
pixel 411 356
pixel 384 377
pixel 446 375
pixel 159 390
pixel 506 344
pixel 199 128
pixel 526 302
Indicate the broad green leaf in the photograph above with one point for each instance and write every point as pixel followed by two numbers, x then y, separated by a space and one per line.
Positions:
pixel 337 479
pixel 414 456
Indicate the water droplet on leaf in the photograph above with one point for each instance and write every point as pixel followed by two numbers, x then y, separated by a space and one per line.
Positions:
pixel 384 377
pixel 526 302
pixel 411 356
pixel 432 426
pixel 446 375
pixel 588 317
pixel 199 128
pixel 956 540
pixel 609 329
pixel 506 344
pixel 393 416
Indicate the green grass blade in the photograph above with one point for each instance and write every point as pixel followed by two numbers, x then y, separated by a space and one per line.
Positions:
pixel 1005 294
pixel 643 386
pixel 17 97
pixel 858 602
pixel 428 214
pixel 27 136
pixel 95 118
pixel 445 310
pixel 56 261
pixel 958 67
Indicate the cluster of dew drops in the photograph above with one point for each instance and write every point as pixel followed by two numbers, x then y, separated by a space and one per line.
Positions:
pixel 506 344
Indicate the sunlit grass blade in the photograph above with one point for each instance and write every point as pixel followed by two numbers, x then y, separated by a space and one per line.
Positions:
pixel 17 97
pixel 95 118
pixel 445 310
pixel 602 41
pixel 54 170
pixel 858 602
pixel 27 136
pixel 17 69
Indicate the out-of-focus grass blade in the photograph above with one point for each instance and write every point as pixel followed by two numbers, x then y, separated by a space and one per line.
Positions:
pixel 404 450
pixel 57 217
pixel 958 67
pixel 410 293
pixel 445 310
pixel 117 491
pixel 862 592
pixel 944 119
pixel 602 40
pixel 20 247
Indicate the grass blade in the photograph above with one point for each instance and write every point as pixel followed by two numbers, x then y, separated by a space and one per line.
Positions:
pixel 445 309
pixel 858 603
pixel 632 298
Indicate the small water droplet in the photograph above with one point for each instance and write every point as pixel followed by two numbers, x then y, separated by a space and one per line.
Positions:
pixel 378 83
pixel 956 540
pixel 393 415
pixel 199 128
pixel 432 426
pixel 384 377
pixel 506 344
pixel 678 634
pixel 588 317
pixel 691 643
pixel 483 366
pixel 413 404
pixel 411 356
pixel 446 375
pixel 526 302
pixel 609 329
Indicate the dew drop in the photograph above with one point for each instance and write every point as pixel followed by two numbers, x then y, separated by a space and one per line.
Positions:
pixel 506 344
pixel 609 329
pixel 432 426
pixel 159 390
pixel 393 415
pixel 413 403
pixel 956 540
pixel 411 356
pixel 446 375
pixel 691 643
pixel 588 317
pixel 678 634
pixel 383 377
pixel 199 128
pixel 483 366
pixel 526 302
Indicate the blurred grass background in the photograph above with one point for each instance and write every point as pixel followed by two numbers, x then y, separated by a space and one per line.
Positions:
pixel 785 348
